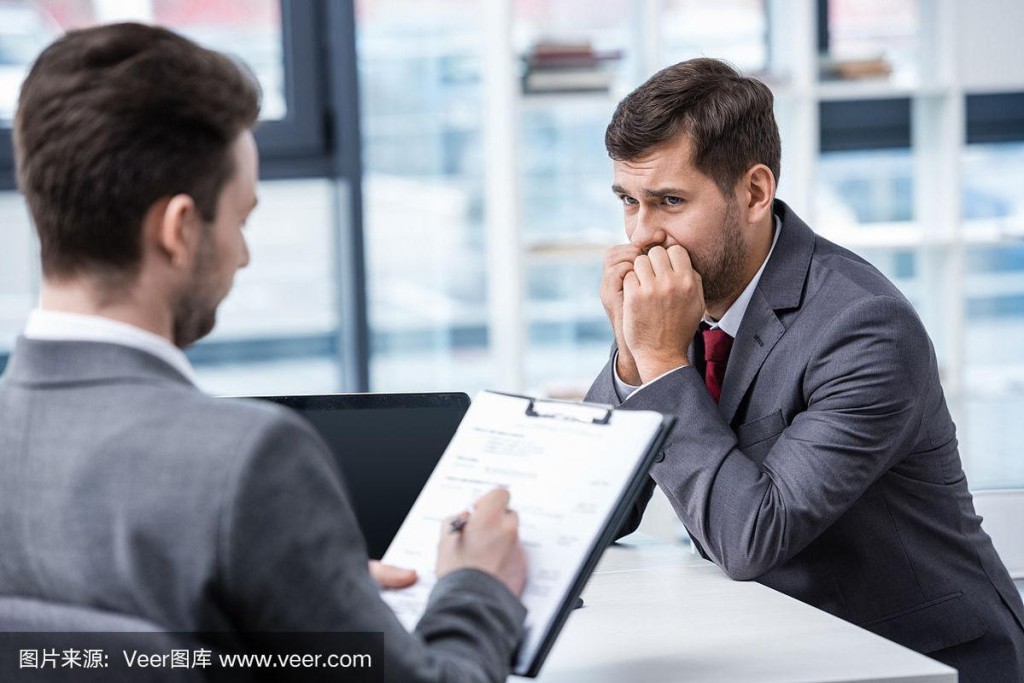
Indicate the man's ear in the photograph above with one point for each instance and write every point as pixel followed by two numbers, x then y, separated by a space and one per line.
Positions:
pixel 757 191
pixel 174 223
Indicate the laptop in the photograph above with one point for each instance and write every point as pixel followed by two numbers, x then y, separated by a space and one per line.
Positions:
pixel 386 446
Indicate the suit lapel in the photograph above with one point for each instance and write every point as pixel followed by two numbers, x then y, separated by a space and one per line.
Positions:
pixel 758 334
pixel 780 288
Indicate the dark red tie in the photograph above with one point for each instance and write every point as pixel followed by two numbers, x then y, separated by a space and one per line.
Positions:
pixel 717 344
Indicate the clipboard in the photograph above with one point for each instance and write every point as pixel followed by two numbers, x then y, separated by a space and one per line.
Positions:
pixel 564 535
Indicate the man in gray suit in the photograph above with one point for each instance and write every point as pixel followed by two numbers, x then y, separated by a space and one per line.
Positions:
pixel 813 450
pixel 123 487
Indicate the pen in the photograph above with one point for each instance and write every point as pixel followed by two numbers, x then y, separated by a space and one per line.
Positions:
pixel 457 523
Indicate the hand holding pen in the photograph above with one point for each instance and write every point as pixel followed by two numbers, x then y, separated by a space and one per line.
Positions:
pixel 459 522
pixel 487 539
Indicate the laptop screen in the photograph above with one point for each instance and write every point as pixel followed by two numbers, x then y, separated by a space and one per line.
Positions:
pixel 386 446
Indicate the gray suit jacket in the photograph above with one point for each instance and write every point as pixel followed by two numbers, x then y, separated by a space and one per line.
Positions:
pixel 124 488
pixel 829 470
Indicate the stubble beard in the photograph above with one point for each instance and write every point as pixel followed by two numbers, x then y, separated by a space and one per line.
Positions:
pixel 195 314
pixel 721 272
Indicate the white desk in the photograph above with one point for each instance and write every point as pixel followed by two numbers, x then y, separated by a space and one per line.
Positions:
pixel 656 613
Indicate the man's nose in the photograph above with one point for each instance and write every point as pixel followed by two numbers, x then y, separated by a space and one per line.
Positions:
pixel 647 232
pixel 243 258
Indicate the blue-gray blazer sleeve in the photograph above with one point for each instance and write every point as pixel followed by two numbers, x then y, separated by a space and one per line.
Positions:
pixel 292 558
pixel 863 387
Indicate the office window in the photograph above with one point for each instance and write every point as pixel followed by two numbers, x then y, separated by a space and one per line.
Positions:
pixel 993 177
pixel 865 173
pixel 865 189
pixel 421 99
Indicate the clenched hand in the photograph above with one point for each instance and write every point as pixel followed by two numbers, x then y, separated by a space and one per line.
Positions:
pixel 662 304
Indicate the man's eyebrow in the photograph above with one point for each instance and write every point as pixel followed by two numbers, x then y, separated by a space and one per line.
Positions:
pixel 656 194
pixel 664 192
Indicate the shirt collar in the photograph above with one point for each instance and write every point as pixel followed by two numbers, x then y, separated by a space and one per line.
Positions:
pixel 730 322
pixel 59 326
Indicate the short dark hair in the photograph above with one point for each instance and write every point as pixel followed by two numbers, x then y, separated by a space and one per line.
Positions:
pixel 110 120
pixel 728 117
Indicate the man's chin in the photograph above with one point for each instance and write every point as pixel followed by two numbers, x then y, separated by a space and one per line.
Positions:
pixel 187 335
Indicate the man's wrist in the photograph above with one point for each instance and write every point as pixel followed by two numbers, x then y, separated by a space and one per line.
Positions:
pixel 649 369
pixel 625 368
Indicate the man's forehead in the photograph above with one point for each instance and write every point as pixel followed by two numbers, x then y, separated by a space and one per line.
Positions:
pixel 658 174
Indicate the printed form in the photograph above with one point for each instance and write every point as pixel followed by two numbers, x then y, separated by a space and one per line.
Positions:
pixel 564 473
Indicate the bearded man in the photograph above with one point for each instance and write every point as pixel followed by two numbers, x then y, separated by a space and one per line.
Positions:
pixel 813 450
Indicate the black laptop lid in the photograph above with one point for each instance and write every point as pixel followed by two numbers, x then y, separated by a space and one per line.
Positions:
pixel 386 446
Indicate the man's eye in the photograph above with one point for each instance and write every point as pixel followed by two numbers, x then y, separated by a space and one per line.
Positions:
pixel 673 201
pixel 627 200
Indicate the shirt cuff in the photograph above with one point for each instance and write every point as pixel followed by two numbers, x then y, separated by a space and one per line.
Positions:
pixel 623 390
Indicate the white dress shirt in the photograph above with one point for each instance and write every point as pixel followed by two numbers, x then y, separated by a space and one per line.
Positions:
pixel 47 325
pixel 730 322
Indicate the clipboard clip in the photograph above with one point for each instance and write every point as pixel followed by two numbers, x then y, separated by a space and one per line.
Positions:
pixel 567 410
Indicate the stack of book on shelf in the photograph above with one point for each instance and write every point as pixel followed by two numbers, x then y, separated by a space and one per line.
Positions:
pixel 557 67
pixel 848 69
